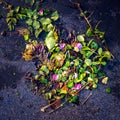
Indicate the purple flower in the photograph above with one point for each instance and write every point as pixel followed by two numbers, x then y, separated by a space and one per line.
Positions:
pixel 76 75
pixel 62 45
pixel 41 11
pixel 78 45
pixel 77 86
pixel 54 77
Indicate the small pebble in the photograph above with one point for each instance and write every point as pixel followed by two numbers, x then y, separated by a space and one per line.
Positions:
pixel 14 73
pixel 3 33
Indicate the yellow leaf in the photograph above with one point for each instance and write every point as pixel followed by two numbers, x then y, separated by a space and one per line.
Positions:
pixel 104 80
pixel 64 90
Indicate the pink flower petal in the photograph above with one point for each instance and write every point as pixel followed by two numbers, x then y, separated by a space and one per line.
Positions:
pixel 54 76
pixel 77 87
pixel 41 11
pixel 78 45
pixel 76 75
pixel 62 45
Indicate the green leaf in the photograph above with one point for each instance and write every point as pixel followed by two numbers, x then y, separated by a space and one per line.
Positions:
pixel 101 74
pixel 96 63
pixel 29 22
pixel 14 20
pixel 89 32
pixel 29 13
pixel 8 19
pixel 11 27
pixel 46 12
pixel 23 11
pixel 30 29
pixel 88 62
pixel 76 62
pixel 94 85
pixel 80 38
pixel 37 32
pixel 82 70
pixel 108 90
pixel 100 51
pixel 107 54
pixel 95 69
pixel 44 81
pixel 45 21
pixel 92 75
pixel 90 79
pixel 55 16
pixel 10 14
pixel 17 9
pixel 26 37
pixel 20 16
pixel 36 24
pixel 51 39
pixel 90 42
pixel 35 17
pixel 70 84
pixel 100 33
pixel 82 76
pixel 64 79
pixel 63 92
pixel 88 54
pixel 48 96
pixel 45 69
pixel 103 63
pixel 67 63
pixel 74 99
pixel 85 48
pixel 96 80
pixel 94 45
pixel 36 77
pixel 49 27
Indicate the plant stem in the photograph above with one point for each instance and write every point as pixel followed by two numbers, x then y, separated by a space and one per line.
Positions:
pixel 81 11
pixel 87 98
pixel 49 105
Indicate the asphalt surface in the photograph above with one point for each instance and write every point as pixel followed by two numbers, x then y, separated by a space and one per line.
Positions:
pixel 17 102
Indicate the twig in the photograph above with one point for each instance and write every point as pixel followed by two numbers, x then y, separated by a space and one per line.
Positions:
pixel 90 15
pixel 87 98
pixel 59 106
pixel 97 24
pixel 81 11
pixel 49 105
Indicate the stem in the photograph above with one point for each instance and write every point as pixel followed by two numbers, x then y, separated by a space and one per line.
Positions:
pixel 49 105
pixel 97 24
pixel 87 98
pixel 59 106
pixel 81 11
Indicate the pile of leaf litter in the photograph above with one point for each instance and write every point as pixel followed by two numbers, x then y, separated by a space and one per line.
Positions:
pixel 64 67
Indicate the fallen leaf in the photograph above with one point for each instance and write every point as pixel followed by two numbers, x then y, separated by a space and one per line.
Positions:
pixel 104 80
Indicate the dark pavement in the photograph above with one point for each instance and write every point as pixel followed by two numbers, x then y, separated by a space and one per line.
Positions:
pixel 17 102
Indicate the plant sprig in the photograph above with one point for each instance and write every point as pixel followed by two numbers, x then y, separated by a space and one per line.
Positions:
pixel 63 67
